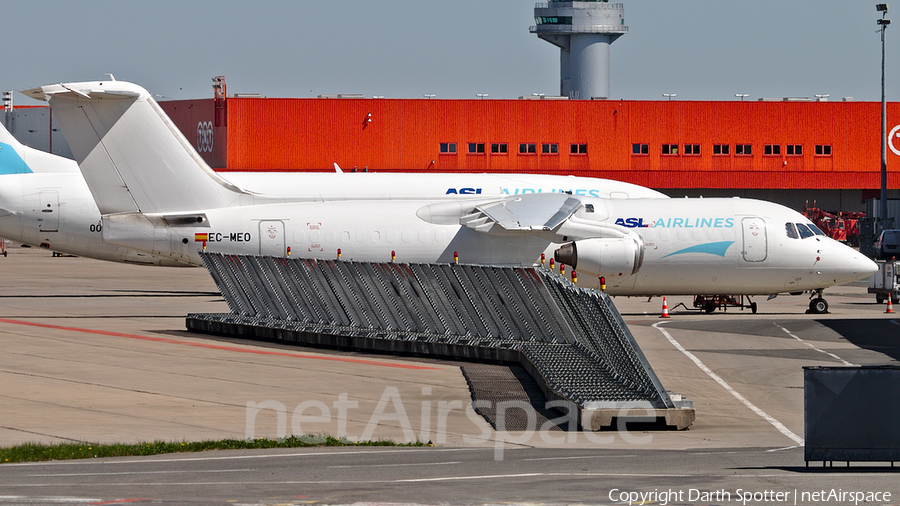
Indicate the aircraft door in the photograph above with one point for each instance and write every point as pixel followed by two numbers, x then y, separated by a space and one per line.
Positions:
pixel 754 230
pixel 48 219
pixel 271 238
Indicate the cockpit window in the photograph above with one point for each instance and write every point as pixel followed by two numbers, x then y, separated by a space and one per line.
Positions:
pixel 816 230
pixel 589 208
pixel 791 231
pixel 804 231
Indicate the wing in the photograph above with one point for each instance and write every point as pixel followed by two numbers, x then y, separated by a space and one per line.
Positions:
pixel 549 215
pixel 529 212
pixel 589 242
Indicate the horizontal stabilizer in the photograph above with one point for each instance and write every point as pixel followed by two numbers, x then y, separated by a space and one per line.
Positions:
pixel 91 92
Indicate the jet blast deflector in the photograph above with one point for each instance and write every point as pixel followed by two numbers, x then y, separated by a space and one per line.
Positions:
pixel 571 340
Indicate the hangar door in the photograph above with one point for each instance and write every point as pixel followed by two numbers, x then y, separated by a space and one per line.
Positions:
pixel 754 231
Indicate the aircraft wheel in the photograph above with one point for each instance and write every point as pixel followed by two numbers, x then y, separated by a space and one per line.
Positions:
pixel 818 306
pixel 753 307
pixel 709 307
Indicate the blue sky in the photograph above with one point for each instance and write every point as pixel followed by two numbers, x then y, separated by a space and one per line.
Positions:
pixel 697 49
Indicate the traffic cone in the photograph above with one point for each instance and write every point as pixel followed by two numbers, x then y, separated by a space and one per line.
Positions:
pixel 665 310
pixel 890 307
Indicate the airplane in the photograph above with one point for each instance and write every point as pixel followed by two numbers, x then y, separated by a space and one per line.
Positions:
pixel 157 195
pixel 44 201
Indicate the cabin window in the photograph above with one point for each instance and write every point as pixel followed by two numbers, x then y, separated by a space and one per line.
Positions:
pixel 589 208
pixel 804 231
pixel 791 231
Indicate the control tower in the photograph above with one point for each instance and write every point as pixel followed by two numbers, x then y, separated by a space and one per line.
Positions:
pixel 583 32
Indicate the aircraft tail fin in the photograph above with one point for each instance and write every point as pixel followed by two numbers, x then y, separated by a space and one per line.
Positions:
pixel 134 159
pixel 17 158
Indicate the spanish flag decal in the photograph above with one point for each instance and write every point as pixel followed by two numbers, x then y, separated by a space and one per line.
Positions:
pixel 201 237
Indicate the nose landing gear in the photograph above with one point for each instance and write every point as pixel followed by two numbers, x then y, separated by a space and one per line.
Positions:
pixel 817 304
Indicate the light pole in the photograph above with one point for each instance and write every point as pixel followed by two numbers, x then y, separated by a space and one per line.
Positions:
pixel 742 95
pixel 429 96
pixel 883 8
pixel 821 98
pixel 669 95
pixel 481 95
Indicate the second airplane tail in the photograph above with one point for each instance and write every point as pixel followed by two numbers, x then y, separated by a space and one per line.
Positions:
pixel 134 159
pixel 16 158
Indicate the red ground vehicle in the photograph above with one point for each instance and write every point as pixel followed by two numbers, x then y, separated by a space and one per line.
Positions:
pixel 841 226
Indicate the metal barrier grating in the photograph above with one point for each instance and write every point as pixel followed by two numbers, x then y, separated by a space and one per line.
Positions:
pixel 571 339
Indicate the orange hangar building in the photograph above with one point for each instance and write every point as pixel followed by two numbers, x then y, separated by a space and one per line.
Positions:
pixel 791 151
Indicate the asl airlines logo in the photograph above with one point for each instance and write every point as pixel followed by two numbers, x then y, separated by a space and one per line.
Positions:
pixel 893 136
pixel 677 223
pixel 205 137
pixel 464 191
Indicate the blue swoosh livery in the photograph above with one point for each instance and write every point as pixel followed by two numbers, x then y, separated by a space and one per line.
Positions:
pixel 11 162
pixel 712 248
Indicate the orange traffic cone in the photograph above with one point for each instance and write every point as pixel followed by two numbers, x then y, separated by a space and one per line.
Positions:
pixel 890 307
pixel 665 310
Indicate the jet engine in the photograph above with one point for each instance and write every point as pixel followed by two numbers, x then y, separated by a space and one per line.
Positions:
pixel 603 256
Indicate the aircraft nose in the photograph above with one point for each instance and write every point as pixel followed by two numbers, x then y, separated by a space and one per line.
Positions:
pixel 849 264
pixel 867 266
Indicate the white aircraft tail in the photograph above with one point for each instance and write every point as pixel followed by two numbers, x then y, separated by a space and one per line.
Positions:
pixel 17 158
pixel 134 159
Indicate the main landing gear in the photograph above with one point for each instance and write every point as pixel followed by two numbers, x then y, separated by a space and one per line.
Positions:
pixel 817 304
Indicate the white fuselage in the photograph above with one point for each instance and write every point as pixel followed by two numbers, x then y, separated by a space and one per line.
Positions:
pixel 691 246
pixel 728 246
pixel 55 210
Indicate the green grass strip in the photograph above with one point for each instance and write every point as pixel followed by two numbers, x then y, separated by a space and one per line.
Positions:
pixel 34 452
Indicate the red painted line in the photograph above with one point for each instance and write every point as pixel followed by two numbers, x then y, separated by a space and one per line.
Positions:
pixel 220 347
